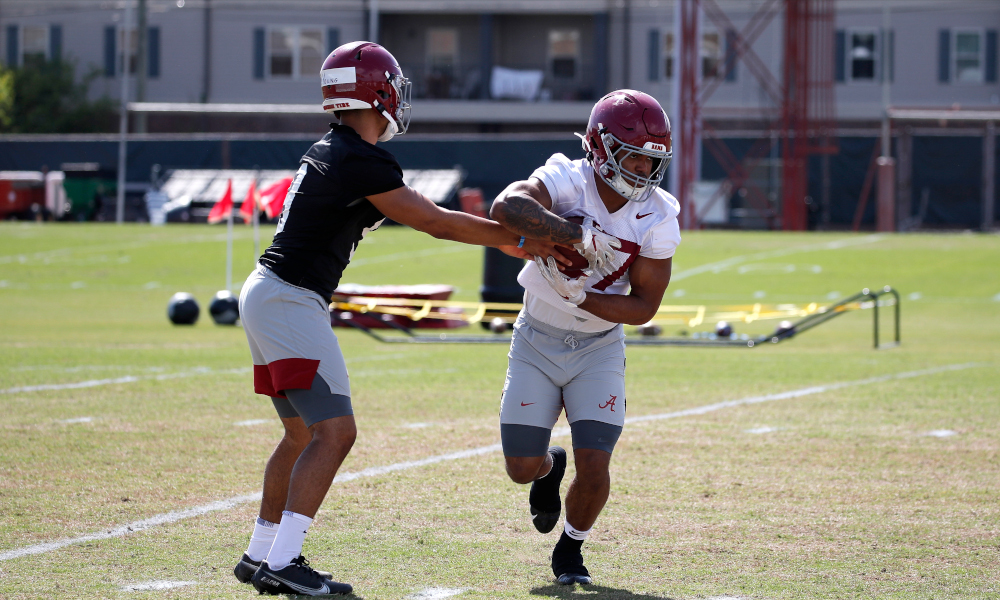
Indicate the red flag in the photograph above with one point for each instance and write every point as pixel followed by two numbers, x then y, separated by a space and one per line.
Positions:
pixel 222 208
pixel 249 206
pixel 273 196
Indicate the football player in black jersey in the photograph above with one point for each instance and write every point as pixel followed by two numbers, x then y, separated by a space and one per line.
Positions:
pixel 344 188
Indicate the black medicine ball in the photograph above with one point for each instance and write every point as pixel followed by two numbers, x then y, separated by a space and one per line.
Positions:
pixel 183 309
pixel 225 308
pixel 723 329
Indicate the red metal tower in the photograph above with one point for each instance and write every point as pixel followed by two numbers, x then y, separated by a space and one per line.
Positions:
pixel 689 112
pixel 801 118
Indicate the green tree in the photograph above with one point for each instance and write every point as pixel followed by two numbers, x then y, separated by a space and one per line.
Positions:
pixel 44 97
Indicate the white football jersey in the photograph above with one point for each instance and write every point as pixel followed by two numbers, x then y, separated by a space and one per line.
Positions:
pixel 646 229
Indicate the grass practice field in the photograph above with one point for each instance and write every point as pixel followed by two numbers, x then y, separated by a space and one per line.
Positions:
pixel 846 473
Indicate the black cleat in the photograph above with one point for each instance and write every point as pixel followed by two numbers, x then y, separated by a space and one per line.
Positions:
pixel 297 578
pixel 247 566
pixel 544 497
pixel 567 562
pixel 571 578
pixel 245 569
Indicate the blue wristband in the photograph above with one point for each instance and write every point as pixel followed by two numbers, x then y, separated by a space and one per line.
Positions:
pixel 521 243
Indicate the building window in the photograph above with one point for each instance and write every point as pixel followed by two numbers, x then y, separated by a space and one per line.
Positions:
pixel 564 53
pixel 130 39
pixel 312 52
pixel 862 55
pixel 710 52
pixel 442 58
pixel 442 49
pixel 34 44
pixel 295 52
pixel 668 56
pixel 968 56
pixel 711 55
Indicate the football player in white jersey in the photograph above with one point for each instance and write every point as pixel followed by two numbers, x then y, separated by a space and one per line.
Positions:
pixel 568 349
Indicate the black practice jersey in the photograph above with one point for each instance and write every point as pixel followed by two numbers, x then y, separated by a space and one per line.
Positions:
pixel 326 211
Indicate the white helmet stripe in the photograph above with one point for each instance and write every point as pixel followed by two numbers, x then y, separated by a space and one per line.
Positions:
pixel 335 104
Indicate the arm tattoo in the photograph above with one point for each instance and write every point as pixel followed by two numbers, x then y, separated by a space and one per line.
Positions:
pixel 525 216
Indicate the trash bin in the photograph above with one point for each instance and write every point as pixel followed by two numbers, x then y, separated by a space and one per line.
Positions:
pixel 88 188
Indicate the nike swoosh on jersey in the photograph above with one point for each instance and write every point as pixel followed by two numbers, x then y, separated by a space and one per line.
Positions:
pixel 641 216
pixel 528 404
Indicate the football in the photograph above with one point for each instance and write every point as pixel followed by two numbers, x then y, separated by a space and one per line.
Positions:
pixel 579 263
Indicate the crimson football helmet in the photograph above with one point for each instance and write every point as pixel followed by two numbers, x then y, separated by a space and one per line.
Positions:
pixel 363 75
pixel 622 124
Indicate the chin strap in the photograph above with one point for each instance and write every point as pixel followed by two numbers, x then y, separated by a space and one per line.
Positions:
pixel 586 147
pixel 390 128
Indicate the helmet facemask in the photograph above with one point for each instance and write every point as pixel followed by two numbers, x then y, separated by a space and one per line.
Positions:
pixel 631 186
pixel 399 122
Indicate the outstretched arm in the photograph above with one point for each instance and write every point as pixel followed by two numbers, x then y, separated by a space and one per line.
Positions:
pixel 409 207
pixel 649 279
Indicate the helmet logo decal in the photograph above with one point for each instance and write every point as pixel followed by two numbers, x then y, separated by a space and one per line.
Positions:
pixel 339 76
pixel 654 146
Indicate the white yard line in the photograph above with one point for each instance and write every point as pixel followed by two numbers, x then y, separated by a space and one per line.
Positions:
pixel 160 584
pixel 736 260
pixel 762 430
pixel 189 373
pixel 161 519
pixel 228 503
pixel 818 389
pixel 126 379
pixel 941 433
pixel 435 593
pixel 69 251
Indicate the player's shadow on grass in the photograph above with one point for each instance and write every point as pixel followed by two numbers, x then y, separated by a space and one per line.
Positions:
pixel 591 592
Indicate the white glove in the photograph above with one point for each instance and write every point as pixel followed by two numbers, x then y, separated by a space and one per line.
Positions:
pixel 598 248
pixel 570 289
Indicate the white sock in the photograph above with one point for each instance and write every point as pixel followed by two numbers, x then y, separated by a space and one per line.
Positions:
pixel 287 543
pixel 575 533
pixel 260 541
